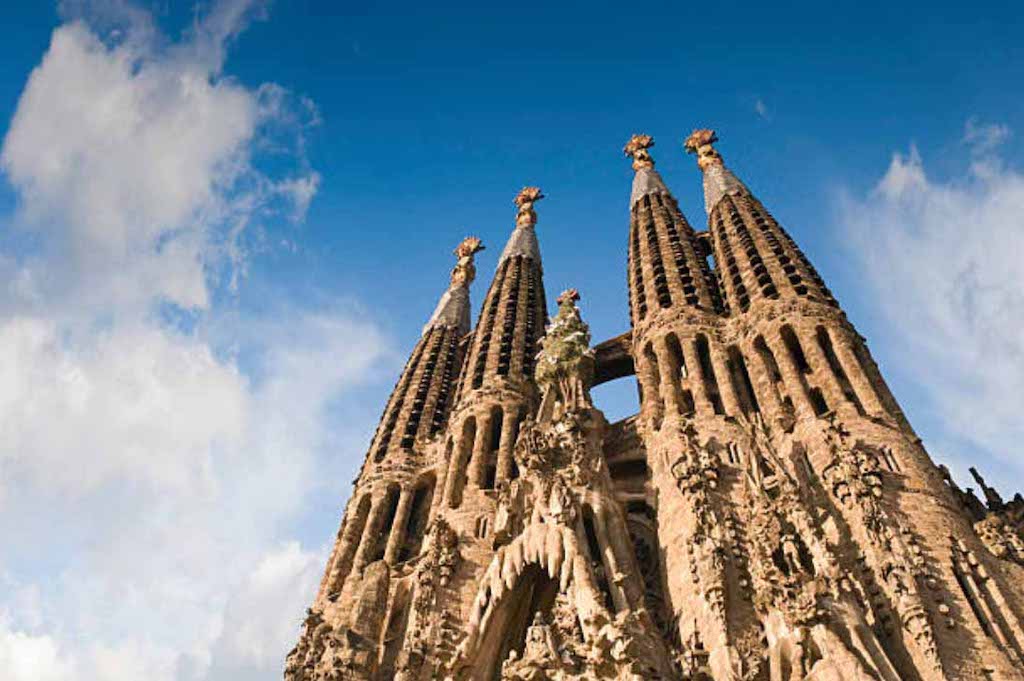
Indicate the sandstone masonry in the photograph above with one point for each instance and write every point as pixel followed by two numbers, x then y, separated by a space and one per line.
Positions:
pixel 769 514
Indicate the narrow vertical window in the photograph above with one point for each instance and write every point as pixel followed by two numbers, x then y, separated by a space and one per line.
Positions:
pixel 654 379
pixel 416 525
pixel 508 327
pixel 825 343
pixel 517 419
pixel 799 359
pixel 708 370
pixel 390 502
pixel 483 342
pixel 796 351
pixel 679 374
pixel 741 382
pixel 493 444
pixel 654 254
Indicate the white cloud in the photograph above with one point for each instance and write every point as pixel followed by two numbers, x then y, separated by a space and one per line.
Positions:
pixel 31 658
pixel 136 163
pixel 943 258
pixel 255 633
pixel 154 471
pixel 761 108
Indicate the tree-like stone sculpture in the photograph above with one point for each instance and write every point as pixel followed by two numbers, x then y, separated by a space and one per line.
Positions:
pixel 565 364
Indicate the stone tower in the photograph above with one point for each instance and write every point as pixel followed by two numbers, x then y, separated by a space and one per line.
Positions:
pixel 769 515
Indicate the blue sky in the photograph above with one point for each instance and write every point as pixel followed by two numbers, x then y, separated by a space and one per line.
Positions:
pixel 223 226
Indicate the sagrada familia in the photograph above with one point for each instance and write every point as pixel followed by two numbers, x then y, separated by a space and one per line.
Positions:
pixel 769 514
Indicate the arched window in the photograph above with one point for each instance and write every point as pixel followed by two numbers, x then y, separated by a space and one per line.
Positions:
pixel 825 343
pixel 380 540
pixel 799 359
pixel 679 374
pixel 416 525
pixel 490 463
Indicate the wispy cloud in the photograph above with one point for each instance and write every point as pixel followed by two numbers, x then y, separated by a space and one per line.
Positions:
pixel 943 258
pixel 149 470
pixel 761 108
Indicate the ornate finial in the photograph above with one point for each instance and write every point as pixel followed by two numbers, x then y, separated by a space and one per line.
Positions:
pixel 565 363
pixel 527 217
pixel 699 142
pixel 465 271
pixel 637 148
pixel 569 296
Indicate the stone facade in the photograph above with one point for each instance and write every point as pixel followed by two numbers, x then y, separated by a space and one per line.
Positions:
pixel 768 515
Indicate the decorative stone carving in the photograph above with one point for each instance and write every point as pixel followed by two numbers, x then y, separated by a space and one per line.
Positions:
pixel 853 478
pixel 565 364
pixel 1001 538
pixel 525 200
pixel 733 530
pixel 324 653
pixel 806 601
pixel 465 271
pixel 637 149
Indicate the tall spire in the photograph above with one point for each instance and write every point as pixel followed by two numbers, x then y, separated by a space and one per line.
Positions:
pixel 513 313
pixel 718 180
pixel 453 308
pixel 756 256
pixel 496 387
pixel 420 402
pixel 667 266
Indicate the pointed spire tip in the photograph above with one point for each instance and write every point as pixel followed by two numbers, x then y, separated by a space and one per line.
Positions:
pixel 526 216
pixel 453 307
pixel 465 271
pixel 636 148
pixel 701 142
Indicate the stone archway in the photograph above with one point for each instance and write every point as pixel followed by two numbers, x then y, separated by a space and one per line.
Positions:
pixel 525 577
pixel 534 593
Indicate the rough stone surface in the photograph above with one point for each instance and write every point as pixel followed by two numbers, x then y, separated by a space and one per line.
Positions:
pixel 769 515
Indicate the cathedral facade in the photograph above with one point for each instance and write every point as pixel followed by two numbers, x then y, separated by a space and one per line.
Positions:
pixel 768 515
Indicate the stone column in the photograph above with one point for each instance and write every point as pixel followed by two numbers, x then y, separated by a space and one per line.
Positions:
pixel 650 388
pixel 612 569
pixel 477 462
pixel 633 586
pixel 371 530
pixel 346 549
pixel 730 401
pixel 456 464
pixel 505 457
pixel 670 388
pixel 843 347
pixel 826 378
pixel 796 385
pixel 698 382
pixel 398 527
pixel 767 392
